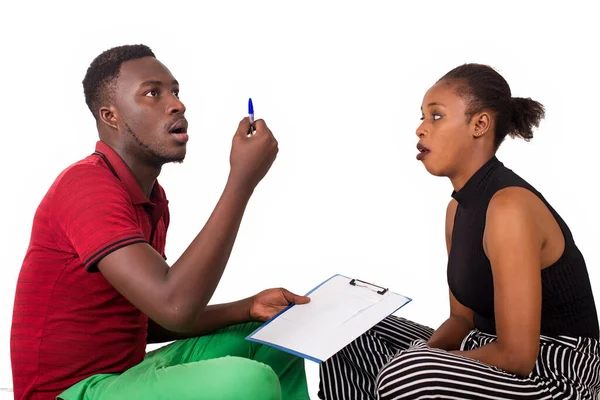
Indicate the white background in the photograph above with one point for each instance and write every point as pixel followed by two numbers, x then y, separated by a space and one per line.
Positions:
pixel 340 85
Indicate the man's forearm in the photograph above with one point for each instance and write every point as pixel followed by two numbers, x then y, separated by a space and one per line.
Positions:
pixel 194 277
pixel 220 316
pixel 212 319
pixel 450 334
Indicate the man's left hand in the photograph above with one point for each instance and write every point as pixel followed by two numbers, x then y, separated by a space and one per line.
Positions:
pixel 268 303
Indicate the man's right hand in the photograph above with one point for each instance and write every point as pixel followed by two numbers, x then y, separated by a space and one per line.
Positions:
pixel 176 297
pixel 252 156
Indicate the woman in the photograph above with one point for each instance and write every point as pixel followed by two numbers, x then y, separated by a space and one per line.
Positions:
pixel 523 322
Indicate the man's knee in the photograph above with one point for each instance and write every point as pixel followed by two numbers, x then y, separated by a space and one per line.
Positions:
pixel 255 380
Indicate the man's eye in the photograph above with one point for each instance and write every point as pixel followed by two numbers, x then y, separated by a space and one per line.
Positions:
pixel 152 93
pixel 176 93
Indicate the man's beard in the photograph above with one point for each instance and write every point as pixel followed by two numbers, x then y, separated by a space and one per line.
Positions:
pixel 155 155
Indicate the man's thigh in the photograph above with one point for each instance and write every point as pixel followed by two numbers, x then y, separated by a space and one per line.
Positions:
pixel 230 341
pixel 226 378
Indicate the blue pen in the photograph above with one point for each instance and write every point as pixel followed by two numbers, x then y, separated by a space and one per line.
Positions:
pixel 251 114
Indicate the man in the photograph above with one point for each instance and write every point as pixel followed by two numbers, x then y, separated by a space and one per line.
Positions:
pixel 94 287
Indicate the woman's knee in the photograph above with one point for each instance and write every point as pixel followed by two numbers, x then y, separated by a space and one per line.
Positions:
pixel 410 373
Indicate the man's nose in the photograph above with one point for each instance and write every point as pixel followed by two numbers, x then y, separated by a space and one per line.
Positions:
pixel 176 106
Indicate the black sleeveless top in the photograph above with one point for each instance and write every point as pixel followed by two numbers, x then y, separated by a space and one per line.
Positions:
pixel 568 306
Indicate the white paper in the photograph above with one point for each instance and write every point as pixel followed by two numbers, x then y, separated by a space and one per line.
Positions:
pixel 337 314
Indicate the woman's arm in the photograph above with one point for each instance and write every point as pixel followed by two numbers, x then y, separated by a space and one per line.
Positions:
pixel 513 241
pixel 451 333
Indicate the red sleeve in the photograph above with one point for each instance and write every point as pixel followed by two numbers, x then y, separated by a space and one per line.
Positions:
pixel 166 219
pixel 94 212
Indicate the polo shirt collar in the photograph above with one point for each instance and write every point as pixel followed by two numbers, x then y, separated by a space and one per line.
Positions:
pixel 122 171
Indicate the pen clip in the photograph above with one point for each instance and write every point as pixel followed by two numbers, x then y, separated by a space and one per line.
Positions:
pixel 353 282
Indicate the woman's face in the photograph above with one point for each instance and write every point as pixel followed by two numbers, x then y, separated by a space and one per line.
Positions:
pixel 445 135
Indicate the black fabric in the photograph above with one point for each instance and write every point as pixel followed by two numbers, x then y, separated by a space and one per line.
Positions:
pixel 568 306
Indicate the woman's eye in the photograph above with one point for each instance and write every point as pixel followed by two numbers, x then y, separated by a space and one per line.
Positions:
pixel 436 117
pixel 176 93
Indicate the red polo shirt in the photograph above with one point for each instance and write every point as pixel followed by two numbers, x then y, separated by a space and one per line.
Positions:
pixel 68 322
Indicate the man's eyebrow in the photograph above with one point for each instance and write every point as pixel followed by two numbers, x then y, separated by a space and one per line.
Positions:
pixel 158 83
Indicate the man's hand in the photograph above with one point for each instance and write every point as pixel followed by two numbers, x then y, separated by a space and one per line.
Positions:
pixel 251 156
pixel 268 303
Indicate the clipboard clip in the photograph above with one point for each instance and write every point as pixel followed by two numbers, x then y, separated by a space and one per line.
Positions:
pixel 368 285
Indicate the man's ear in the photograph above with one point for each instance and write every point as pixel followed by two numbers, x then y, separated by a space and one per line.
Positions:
pixel 109 116
pixel 482 123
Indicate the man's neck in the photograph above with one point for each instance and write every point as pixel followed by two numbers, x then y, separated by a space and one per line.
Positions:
pixel 144 173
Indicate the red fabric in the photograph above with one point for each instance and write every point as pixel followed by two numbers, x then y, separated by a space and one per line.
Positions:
pixel 68 322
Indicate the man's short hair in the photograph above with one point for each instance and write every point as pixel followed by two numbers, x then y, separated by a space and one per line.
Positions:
pixel 99 80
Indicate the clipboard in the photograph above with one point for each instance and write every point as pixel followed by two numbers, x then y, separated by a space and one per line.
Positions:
pixel 341 309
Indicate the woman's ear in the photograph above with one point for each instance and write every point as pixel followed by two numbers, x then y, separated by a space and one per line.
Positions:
pixel 482 123
pixel 109 116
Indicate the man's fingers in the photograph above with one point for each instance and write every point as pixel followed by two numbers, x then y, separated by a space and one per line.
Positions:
pixel 294 298
pixel 260 126
pixel 243 127
pixel 302 299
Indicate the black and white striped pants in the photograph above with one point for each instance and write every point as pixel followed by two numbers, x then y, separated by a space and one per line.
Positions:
pixel 393 361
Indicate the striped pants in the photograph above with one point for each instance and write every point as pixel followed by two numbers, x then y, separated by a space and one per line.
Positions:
pixel 393 361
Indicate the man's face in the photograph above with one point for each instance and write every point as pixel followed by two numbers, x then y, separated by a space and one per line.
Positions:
pixel 151 116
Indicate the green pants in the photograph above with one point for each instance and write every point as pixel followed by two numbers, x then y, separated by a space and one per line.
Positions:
pixel 222 366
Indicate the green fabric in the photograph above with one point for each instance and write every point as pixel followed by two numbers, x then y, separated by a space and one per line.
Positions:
pixel 221 366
